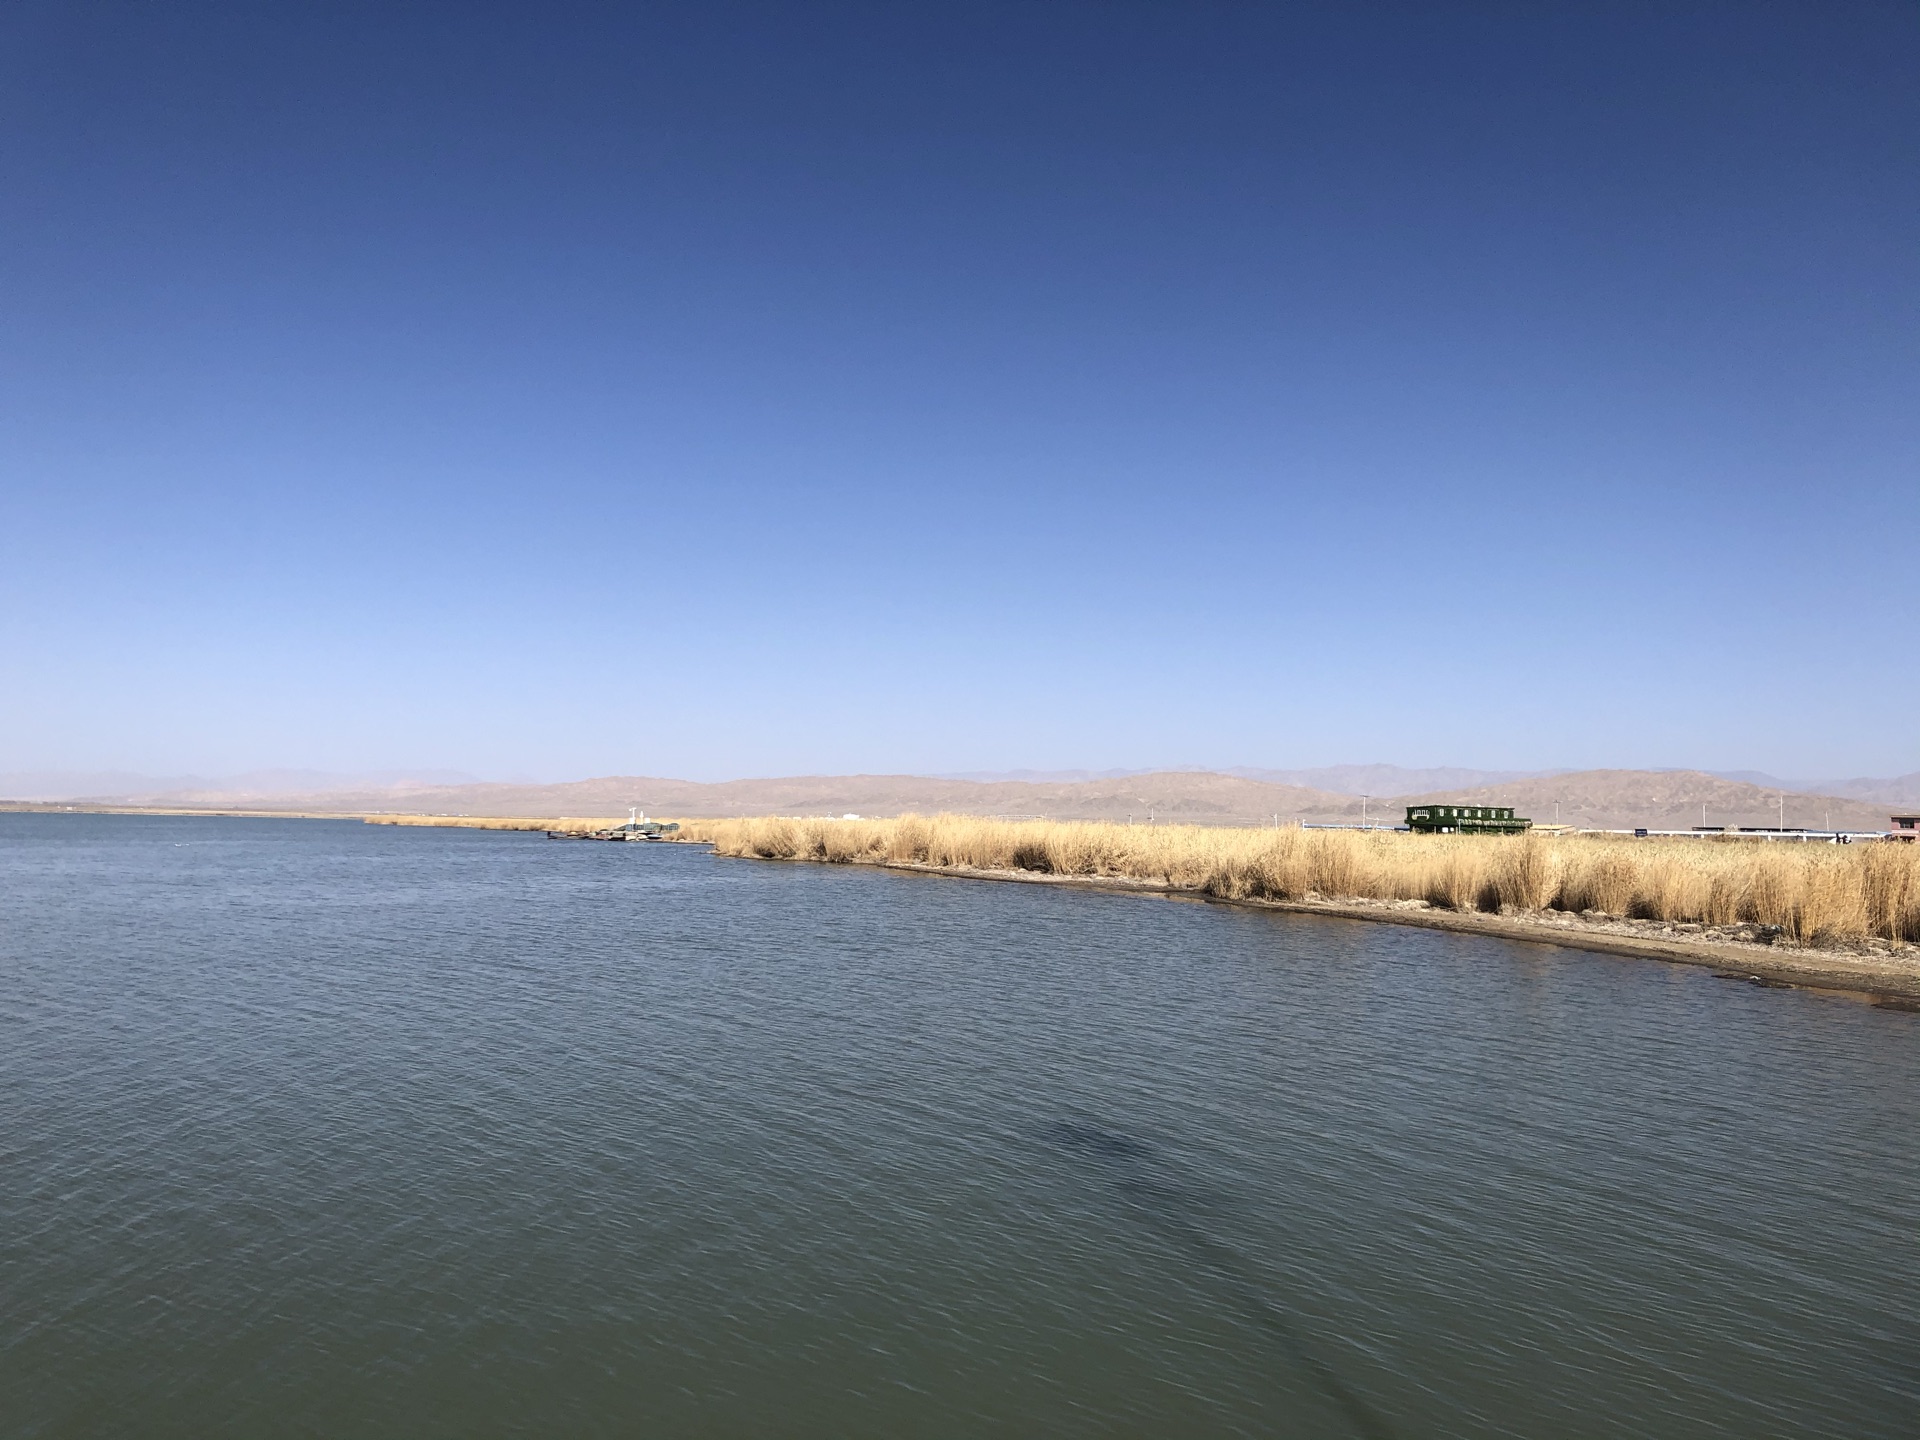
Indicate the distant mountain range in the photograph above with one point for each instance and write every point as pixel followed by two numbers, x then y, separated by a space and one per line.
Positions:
pixel 124 787
pixel 1381 780
pixel 1661 799
pixel 1386 780
pixel 1900 790
pixel 1393 781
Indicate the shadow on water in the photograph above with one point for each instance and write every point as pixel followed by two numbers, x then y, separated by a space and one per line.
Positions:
pixel 1154 1191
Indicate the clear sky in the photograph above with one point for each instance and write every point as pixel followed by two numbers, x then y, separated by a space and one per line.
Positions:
pixel 715 390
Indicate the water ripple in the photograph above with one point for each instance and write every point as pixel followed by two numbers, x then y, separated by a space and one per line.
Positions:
pixel 312 1129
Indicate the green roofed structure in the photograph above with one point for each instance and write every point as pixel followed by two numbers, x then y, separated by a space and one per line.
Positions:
pixel 1465 820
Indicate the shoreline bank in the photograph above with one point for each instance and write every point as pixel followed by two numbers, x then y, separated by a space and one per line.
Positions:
pixel 1893 977
pixel 1875 969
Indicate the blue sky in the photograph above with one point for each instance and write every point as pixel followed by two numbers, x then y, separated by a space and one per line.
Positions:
pixel 717 390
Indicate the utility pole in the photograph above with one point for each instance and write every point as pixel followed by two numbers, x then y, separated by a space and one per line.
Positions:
pixel 1364 797
pixel 1783 810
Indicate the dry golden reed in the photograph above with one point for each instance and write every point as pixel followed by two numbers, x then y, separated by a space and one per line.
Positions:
pixel 1815 893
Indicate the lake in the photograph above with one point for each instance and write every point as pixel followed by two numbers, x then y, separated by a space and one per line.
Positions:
pixel 320 1128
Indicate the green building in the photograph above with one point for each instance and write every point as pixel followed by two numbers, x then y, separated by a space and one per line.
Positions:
pixel 1465 820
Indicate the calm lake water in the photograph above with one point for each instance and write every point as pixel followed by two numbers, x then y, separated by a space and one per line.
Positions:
pixel 317 1128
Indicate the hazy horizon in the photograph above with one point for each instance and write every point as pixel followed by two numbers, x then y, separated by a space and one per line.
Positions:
pixel 1384 779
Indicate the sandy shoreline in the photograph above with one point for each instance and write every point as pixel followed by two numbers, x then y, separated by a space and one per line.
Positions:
pixel 1893 977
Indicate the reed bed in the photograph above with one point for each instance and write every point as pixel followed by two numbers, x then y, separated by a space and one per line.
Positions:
pixel 1816 894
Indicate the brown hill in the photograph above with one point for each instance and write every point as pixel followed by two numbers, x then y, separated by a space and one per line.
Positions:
pixel 1605 799
pixel 1902 792
pixel 1664 800
pixel 1180 796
